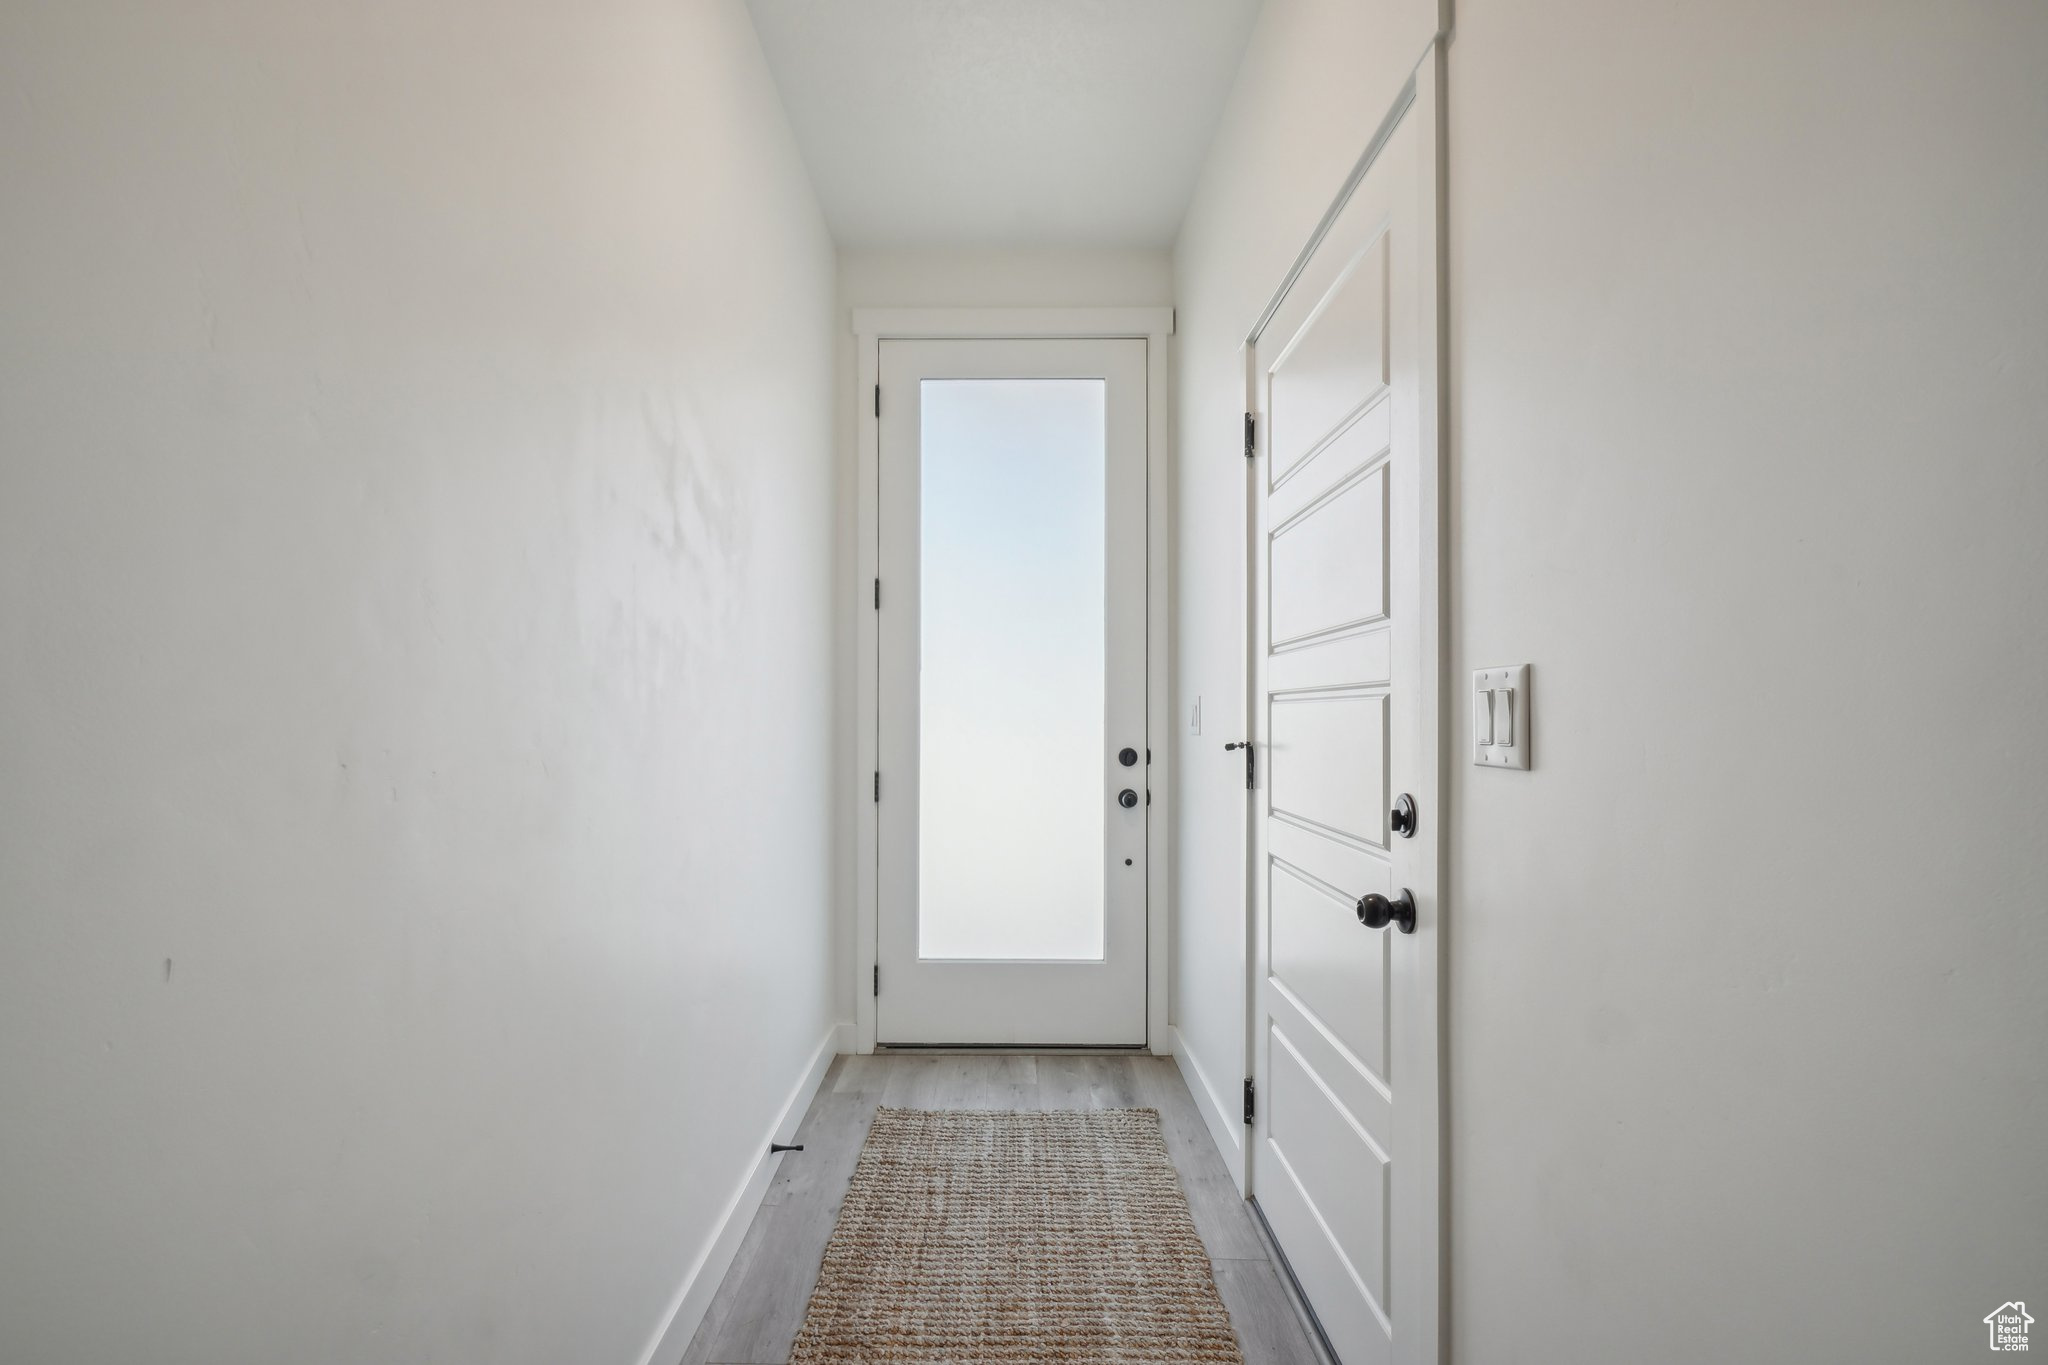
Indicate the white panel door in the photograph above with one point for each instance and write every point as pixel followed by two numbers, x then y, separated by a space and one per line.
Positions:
pixel 1012 787
pixel 1343 1162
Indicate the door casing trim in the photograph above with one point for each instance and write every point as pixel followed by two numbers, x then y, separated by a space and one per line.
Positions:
pixel 871 327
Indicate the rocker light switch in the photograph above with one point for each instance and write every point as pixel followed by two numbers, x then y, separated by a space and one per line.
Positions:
pixel 1500 717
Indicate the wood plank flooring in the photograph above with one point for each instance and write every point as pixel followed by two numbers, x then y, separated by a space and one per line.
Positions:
pixel 759 1306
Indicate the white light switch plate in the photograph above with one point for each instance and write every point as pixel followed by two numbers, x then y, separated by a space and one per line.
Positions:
pixel 1500 717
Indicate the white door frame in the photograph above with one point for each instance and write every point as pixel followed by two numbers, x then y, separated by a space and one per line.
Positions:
pixel 871 327
pixel 1421 99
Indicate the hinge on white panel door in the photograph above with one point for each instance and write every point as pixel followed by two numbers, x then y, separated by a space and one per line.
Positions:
pixel 1251 437
pixel 1250 1099
pixel 878 400
pixel 878 978
pixel 1251 768
pixel 878 594
pixel 878 787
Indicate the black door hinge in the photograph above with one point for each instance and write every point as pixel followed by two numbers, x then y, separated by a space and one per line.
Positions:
pixel 1250 1099
pixel 878 594
pixel 1251 437
pixel 878 978
pixel 878 787
pixel 878 400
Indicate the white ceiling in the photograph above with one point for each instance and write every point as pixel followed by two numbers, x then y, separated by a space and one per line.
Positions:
pixel 1004 122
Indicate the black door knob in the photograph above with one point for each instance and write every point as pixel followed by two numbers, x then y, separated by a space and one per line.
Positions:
pixel 1403 816
pixel 1127 757
pixel 1127 798
pixel 1377 912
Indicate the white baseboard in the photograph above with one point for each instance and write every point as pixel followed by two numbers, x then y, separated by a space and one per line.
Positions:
pixel 687 1310
pixel 1226 1121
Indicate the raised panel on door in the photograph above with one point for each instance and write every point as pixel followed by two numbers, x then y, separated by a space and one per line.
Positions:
pixel 1336 975
pixel 1334 366
pixel 1327 764
pixel 1334 1156
pixel 1325 1193
pixel 1340 540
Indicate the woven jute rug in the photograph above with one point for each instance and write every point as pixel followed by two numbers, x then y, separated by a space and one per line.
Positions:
pixel 997 1237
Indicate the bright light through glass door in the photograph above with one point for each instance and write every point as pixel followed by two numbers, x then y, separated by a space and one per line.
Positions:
pixel 1009 788
pixel 1011 669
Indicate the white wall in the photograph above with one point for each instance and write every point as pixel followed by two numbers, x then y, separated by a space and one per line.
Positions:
pixel 1750 1030
pixel 1748 1041
pixel 977 277
pixel 415 519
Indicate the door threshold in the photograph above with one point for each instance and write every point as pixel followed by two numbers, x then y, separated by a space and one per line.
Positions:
pixel 1010 1049
pixel 1296 1295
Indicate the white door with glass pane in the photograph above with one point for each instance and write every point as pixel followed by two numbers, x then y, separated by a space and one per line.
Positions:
pixel 1011 791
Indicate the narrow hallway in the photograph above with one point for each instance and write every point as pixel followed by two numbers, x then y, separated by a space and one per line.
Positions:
pixel 1438 593
pixel 760 1305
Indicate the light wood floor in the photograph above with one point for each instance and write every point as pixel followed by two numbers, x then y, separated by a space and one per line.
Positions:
pixel 760 1305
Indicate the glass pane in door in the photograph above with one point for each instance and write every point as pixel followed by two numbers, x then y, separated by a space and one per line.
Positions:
pixel 1011 692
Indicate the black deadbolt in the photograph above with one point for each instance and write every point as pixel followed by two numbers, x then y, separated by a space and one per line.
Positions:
pixel 1127 798
pixel 1127 757
pixel 1403 816
pixel 1377 912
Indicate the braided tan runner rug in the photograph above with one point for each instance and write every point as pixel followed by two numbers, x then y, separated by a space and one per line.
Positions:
pixel 999 1237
